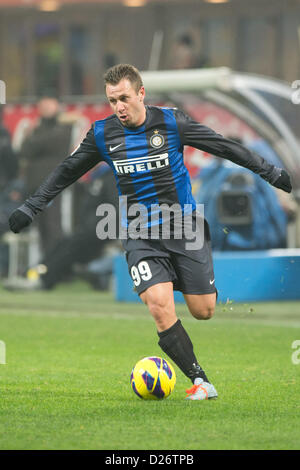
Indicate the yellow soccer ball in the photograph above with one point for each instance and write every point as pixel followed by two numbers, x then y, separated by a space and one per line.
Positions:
pixel 153 378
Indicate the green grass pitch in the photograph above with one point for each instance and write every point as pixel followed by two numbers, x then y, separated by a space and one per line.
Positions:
pixel 69 355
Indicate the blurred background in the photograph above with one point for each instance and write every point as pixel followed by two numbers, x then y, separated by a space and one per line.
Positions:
pixel 233 65
pixel 68 44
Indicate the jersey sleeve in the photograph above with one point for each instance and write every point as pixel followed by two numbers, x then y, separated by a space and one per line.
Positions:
pixel 81 160
pixel 203 138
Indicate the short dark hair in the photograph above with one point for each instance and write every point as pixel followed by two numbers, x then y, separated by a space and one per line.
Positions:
pixel 120 71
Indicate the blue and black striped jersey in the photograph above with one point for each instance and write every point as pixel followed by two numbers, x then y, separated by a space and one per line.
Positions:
pixel 147 161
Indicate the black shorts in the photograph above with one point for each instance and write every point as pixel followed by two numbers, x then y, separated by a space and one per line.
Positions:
pixel 152 262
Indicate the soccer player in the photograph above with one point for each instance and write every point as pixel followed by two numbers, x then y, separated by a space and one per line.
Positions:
pixel 144 147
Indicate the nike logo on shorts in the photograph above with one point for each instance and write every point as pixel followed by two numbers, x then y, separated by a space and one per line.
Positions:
pixel 211 282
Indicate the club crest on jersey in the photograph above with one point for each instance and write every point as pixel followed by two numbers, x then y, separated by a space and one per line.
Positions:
pixel 141 164
pixel 157 140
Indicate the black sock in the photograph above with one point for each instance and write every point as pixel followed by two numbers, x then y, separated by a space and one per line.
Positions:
pixel 176 343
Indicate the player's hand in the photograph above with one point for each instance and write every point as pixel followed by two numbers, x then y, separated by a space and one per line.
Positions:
pixel 18 221
pixel 283 182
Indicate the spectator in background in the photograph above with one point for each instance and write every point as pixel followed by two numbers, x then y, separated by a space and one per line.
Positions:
pixel 244 212
pixel 8 159
pixel 45 147
pixel 286 201
pixel 72 253
pixel 185 55
pixel 10 188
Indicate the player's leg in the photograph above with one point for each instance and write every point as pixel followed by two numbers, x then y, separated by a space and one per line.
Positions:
pixel 195 278
pixel 159 299
pixel 173 338
pixel 153 278
pixel 201 306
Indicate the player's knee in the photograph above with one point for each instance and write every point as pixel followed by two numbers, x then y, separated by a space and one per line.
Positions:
pixel 203 313
pixel 160 311
pixel 157 306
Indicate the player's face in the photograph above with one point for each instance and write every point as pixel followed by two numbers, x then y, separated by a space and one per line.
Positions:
pixel 127 103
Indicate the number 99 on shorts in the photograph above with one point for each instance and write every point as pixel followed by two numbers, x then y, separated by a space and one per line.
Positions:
pixel 140 272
